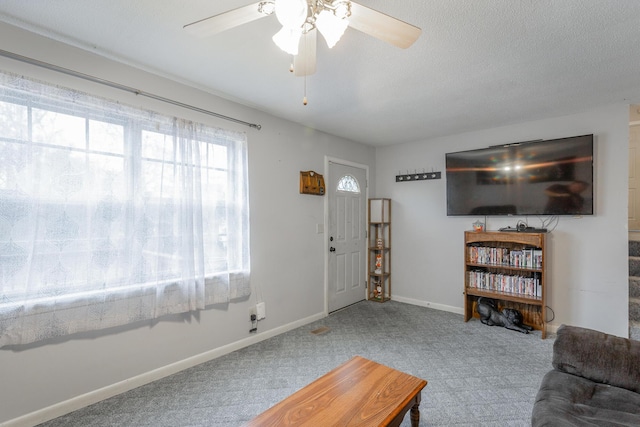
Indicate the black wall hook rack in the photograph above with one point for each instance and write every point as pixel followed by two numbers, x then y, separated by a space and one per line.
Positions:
pixel 418 176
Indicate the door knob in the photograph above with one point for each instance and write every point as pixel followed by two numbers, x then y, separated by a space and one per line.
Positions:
pixel 332 249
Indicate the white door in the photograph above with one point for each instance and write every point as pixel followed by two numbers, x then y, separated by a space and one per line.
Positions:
pixel 347 235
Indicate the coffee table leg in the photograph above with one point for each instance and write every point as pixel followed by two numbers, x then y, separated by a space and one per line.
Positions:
pixel 415 411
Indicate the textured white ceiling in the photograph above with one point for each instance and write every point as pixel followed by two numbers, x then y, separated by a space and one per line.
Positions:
pixel 477 64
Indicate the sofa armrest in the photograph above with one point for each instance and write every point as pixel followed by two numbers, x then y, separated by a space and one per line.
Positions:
pixel 597 356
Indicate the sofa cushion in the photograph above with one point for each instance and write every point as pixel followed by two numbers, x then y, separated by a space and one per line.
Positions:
pixel 598 356
pixel 568 400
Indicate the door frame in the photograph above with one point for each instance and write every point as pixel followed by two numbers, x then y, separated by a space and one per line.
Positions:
pixel 327 160
pixel 634 233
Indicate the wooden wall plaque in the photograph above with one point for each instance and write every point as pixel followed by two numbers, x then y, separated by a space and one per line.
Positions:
pixel 311 183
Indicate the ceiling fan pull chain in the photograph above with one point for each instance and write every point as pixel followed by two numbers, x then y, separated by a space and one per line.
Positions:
pixel 304 99
pixel 306 66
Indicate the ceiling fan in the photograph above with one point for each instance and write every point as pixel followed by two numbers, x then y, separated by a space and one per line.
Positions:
pixel 302 19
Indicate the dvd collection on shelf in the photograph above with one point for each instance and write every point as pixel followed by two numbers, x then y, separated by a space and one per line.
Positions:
pixel 521 258
pixel 517 285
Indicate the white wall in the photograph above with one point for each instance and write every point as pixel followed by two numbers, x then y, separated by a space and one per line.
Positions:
pixel 287 255
pixel 588 268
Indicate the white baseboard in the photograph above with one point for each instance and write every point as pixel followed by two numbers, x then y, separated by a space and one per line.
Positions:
pixel 551 327
pixel 421 303
pixel 78 402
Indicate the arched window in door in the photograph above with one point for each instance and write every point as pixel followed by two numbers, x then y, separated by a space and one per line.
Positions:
pixel 349 184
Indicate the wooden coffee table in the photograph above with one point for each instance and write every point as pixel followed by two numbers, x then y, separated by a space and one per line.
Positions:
pixel 358 393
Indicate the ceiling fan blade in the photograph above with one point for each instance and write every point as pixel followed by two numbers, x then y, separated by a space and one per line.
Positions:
pixel 383 27
pixel 224 21
pixel 304 63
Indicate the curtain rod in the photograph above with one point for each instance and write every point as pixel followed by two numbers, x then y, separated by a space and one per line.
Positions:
pixel 94 79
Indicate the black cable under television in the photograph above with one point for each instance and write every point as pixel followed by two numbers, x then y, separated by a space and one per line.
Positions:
pixel 551 177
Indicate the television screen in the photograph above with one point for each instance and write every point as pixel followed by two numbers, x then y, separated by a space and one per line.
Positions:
pixel 553 177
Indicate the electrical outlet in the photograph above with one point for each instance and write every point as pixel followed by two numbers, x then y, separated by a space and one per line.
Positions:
pixel 261 310
pixel 254 321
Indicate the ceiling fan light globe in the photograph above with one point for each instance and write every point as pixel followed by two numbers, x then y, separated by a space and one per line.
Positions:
pixel 267 7
pixel 331 27
pixel 291 13
pixel 342 9
pixel 288 39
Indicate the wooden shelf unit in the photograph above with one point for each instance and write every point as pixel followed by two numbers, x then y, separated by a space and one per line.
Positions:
pixel 379 276
pixel 529 298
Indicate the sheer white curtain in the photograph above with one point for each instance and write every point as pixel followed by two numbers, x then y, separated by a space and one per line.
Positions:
pixel 111 215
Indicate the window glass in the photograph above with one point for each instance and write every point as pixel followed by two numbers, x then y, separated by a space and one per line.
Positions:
pixel 106 137
pixel 157 146
pixel 349 184
pixel 112 215
pixel 13 120
pixel 51 127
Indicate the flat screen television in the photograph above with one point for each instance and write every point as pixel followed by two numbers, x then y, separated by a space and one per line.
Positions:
pixel 551 177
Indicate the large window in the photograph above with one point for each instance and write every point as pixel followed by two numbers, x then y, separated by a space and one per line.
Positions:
pixel 110 215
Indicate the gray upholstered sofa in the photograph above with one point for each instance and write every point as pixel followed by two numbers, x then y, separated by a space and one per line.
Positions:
pixel 595 381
